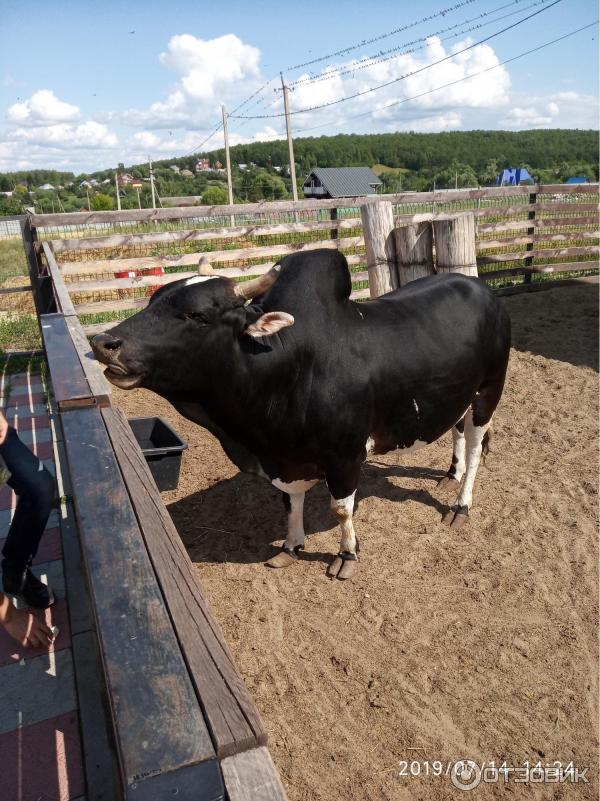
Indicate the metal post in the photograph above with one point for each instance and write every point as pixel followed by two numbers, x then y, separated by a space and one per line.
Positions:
pixel 117 188
pixel 288 127
pixel 152 184
pixel 228 162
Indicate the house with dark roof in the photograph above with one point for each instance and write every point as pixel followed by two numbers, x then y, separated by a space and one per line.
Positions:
pixel 323 182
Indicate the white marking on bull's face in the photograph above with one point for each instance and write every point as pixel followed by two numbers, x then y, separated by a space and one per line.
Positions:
pixel 369 445
pixel 416 407
pixel 199 279
pixel 293 487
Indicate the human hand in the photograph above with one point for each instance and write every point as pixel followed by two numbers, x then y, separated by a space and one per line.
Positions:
pixel 3 428
pixel 24 627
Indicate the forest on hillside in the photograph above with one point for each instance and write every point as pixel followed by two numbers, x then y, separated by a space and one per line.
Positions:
pixel 404 161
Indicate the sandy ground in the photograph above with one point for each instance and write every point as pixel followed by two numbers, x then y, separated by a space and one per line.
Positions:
pixel 477 644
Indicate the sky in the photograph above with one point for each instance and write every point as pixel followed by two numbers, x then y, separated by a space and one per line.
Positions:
pixel 86 85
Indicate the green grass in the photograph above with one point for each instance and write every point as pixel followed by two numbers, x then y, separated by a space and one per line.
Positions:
pixel 12 259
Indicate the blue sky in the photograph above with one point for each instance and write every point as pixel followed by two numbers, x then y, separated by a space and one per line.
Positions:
pixel 86 85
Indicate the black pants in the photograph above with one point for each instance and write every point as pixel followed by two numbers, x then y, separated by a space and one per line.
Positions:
pixel 34 487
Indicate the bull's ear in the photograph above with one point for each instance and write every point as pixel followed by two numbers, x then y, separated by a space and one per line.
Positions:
pixel 269 323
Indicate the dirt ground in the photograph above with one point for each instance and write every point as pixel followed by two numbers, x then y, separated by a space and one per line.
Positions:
pixel 479 643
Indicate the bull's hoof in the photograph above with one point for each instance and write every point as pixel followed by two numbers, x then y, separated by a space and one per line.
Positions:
pixel 448 482
pixel 456 517
pixel 343 566
pixel 285 557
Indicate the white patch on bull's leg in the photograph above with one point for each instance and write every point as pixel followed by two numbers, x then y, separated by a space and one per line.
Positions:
pixel 473 441
pixel 458 453
pixel 343 509
pixel 294 487
pixel 295 535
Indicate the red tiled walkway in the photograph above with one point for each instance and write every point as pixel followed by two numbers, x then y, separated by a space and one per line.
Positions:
pixel 40 739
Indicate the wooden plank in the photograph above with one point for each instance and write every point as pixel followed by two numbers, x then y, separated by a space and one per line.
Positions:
pixel 8 290
pixel 240 254
pixel 157 718
pixel 546 222
pixel 63 301
pixel 488 244
pixel 576 208
pixel 68 378
pixel 232 717
pixel 104 306
pixel 542 253
pixel 99 386
pixel 569 266
pixel 99 328
pixel 198 235
pixel 252 776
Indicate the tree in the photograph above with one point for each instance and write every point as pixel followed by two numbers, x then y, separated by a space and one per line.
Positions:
pixel 215 196
pixel 102 202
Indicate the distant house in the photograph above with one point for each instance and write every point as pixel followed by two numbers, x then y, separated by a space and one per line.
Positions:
pixel 242 167
pixel 202 165
pixel 47 187
pixel 514 176
pixel 218 165
pixel 578 179
pixel 340 182
pixel 187 173
pixel 174 167
pixel 125 178
pixel 85 185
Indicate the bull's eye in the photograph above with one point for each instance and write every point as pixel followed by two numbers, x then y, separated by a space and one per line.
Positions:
pixel 197 317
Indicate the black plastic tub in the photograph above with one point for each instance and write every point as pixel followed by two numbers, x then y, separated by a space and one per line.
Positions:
pixel 162 447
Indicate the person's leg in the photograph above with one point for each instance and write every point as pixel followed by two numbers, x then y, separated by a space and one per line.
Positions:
pixel 34 487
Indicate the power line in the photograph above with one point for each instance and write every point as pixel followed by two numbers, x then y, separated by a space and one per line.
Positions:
pixel 365 42
pixel 383 56
pixel 402 77
pixel 452 83
pixel 203 142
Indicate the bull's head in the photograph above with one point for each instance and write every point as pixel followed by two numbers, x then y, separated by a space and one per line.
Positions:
pixel 188 325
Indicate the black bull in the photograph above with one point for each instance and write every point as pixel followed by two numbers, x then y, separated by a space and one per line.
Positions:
pixel 302 383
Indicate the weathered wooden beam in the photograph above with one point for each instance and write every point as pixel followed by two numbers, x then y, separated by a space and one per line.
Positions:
pixel 455 250
pixel 61 295
pixel 414 251
pixel 378 227
pixel 68 378
pixel 221 256
pixel 232 717
pixel 99 386
pixel 198 235
pixel 158 720
pixel 252 776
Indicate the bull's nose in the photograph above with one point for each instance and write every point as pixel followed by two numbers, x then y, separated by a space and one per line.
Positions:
pixel 106 346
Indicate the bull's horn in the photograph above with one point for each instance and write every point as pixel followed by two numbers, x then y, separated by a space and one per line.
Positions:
pixel 250 289
pixel 205 267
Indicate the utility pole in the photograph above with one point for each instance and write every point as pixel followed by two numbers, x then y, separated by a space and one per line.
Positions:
pixel 228 162
pixel 88 199
pixel 117 188
pixel 288 127
pixel 152 183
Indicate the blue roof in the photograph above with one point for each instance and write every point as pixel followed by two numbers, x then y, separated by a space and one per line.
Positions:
pixel 513 176
pixel 577 179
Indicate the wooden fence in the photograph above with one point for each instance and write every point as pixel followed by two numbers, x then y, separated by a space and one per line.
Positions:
pixel 110 262
pixel 182 720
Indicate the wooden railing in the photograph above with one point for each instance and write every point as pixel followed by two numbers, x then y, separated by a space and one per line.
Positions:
pixel 520 231
pixel 183 722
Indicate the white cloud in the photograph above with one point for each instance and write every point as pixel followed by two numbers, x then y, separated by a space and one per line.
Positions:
pixel 210 72
pixel 423 75
pixel 560 110
pixel 43 107
pixel 88 134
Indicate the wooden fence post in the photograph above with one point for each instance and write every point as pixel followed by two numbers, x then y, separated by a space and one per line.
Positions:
pixel 414 251
pixel 378 228
pixel 455 244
